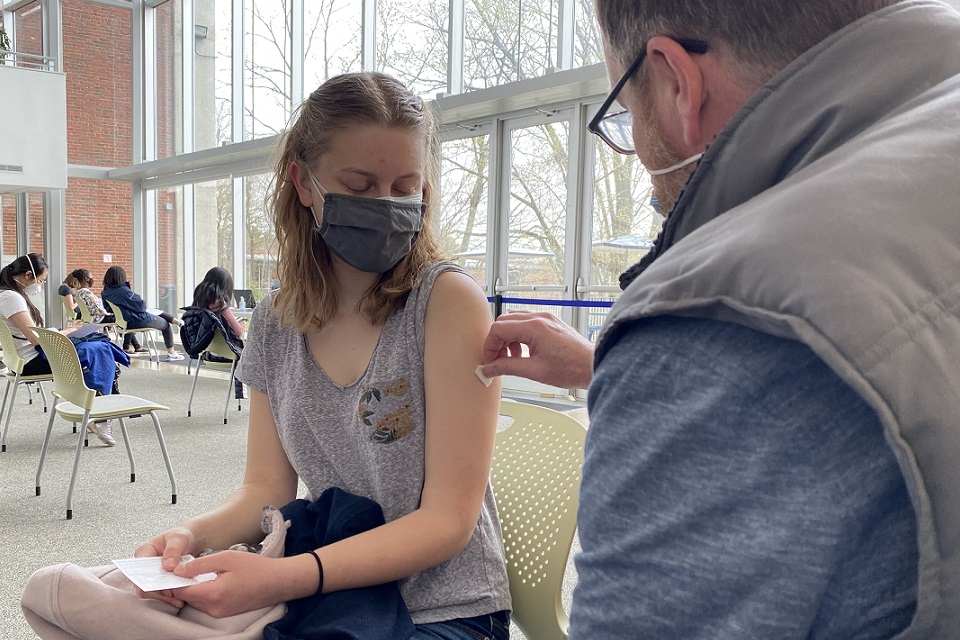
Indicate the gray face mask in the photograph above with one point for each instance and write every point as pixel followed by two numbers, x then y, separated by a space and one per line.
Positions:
pixel 369 234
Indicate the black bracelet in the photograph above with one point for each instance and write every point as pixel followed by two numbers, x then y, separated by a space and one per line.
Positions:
pixel 319 568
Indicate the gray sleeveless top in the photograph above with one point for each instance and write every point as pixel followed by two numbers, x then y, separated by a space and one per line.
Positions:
pixel 368 438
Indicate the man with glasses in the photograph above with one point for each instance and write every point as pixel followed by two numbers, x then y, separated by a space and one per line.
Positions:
pixel 774 399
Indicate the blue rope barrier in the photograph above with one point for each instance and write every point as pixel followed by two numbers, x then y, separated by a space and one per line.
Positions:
pixel 555 303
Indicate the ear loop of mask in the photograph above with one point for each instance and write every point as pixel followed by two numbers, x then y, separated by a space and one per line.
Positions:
pixel 672 168
pixel 32 266
pixel 323 192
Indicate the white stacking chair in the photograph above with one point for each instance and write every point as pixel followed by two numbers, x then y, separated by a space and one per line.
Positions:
pixel 76 402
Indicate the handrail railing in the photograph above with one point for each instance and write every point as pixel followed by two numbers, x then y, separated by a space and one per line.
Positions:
pixel 27 60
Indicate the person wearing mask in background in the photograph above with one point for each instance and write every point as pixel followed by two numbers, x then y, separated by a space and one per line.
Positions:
pixel 66 290
pixel 773 437
pixel 213 296
pixel 98 313
pixel 21 280
pixel 117 291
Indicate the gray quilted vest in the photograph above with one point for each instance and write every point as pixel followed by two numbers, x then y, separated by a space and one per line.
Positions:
pixel 828 211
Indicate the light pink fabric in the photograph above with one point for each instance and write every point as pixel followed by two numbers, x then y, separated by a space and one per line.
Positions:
pixel 68 602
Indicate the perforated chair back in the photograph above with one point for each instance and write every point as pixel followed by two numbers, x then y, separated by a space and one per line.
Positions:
pixel 537 463
pixel 10 356
pixel 65 364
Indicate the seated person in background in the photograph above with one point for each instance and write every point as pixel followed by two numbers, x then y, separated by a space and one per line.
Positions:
pixel 117 291
pixel 213 294
pixel 66 291
pixel 361 375
pixel 98 313
pixel 19 281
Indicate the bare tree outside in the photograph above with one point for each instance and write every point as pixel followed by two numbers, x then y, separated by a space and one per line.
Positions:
pixel 505 41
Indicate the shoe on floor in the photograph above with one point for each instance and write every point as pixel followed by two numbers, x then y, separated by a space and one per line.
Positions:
pixel 129 350
pixel 171 357
pixel 103 431
pixel 141 350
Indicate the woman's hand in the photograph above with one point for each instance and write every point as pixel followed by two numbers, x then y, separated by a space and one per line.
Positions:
pixel 246 581
pixel 169 545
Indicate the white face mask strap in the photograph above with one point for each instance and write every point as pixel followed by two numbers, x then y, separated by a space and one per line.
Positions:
pixel 679 165
pixel 33 267
pixel 321 189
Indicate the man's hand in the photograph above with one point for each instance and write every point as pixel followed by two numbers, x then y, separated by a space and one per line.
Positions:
pixel 558 355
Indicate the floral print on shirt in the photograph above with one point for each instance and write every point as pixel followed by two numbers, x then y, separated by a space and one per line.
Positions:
pixel 387 410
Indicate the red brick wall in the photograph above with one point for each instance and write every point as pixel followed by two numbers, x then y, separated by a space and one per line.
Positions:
pixel 98 222
pixel 96 60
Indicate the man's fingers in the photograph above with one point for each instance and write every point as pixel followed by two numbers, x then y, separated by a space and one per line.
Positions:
pixel 523 367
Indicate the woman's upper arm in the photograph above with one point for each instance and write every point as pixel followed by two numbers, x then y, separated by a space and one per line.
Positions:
pixel 22 320
pixel 267 462
pixel 232 322
pixel 461 412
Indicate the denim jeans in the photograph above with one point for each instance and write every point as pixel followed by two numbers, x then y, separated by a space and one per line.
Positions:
pixel 494 626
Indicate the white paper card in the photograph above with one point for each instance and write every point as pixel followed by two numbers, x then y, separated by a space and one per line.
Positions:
pixel 149 574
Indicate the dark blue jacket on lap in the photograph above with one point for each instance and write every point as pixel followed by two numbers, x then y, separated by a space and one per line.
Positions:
pixel 370 613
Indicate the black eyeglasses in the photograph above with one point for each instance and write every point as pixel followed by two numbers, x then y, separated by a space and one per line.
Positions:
pixel 616 129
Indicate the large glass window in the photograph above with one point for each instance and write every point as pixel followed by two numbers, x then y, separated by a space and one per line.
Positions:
pixel 538 205
pixel 412 43
pixel 213 73
pixel 169 80
pixel 261 241
pixel 213 225
pixel 28 29
pixel 8 228
pixel 464 214
pixel 332 37
pixel 624 225
pixel 587 46
pixel 507 40
pixel 173 289
pixel 267 67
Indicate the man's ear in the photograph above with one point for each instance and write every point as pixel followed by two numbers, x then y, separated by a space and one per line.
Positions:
pixel 681 83
pixel 301 182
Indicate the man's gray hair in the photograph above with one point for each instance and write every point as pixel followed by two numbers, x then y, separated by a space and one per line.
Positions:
pixel 760 37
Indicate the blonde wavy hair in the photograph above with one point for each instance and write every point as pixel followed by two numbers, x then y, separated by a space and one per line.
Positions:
pixel 308 297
